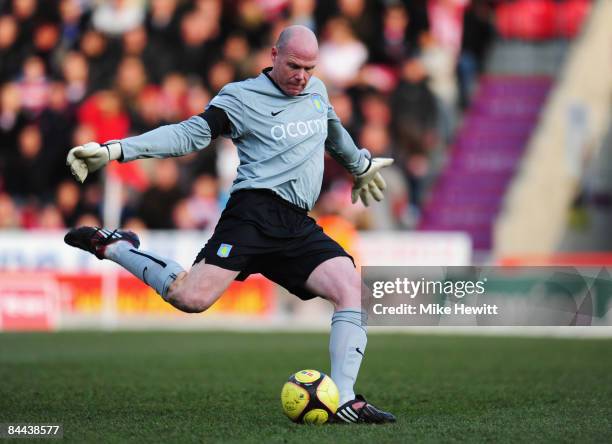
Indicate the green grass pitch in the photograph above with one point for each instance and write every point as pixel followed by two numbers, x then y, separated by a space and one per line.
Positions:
pixel 224 387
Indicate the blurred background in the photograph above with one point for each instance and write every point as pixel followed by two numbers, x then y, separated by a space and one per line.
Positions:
pixel 497 113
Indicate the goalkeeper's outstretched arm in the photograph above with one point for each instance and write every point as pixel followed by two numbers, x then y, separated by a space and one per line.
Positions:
pixel 173 140
pixel 369 184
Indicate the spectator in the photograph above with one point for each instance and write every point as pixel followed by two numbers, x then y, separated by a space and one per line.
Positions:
pixel 197 99
pixel 334 206
pixel 27 175
pixel 75 70
pixel 12 120
pixel 50 218
pixel 148 113
pixel 212 9
pixel 415 124
pixel 418 20
pixel 156 205
pixel 272 9
pixel 173 97
pixel 446 23
pixel 236 50
pixel 24 12
pixel 414 109
pixel 72 23
pixel 341 53
pixel 390 213
pixel 259 61
pixel 394 44
pixel 102 58
pixel 199 34
pixel 374 109
pixel 46 39
pixel 477 36
pixel 115 17
pixel 343 106
pixel 9 214
pixel 219 75
pixel 11 53
pixel 91 201
pixel 88 219
pixel 34 85
pixel 226 165
pixel 67 198
pixel 162 24
pixel 130 81
pixel 122 68
pixel 57 123
pixel 441 67
pixel 363 18
pixel 157 58
pixel 250 18
pixel 82 133
pixel 302 12
pixel 182 216
pixel 104 113
pixel 201 209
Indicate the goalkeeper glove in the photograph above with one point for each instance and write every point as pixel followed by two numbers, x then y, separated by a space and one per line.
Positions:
pixel 92 156
pixel 370 183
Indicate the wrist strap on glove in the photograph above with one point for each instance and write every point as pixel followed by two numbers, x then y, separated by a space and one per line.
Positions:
pixel 114 150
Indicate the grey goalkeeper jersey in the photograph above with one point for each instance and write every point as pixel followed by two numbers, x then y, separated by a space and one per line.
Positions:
pixel 280 138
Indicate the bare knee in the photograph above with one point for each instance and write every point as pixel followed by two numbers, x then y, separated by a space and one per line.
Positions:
pixel 345 293
pixel 188 299
pixel 337 281
pixel 348 294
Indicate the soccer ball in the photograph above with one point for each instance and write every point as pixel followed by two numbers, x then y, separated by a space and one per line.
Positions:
pixel 309 397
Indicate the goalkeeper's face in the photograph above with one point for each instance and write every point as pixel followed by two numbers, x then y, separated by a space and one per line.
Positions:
pixel 293 65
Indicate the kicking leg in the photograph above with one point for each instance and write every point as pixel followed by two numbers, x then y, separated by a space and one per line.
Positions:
pixel 197 290
pixel 191 292
pixel 337 280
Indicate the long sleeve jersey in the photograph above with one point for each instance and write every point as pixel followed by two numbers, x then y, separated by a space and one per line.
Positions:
pixel 280 138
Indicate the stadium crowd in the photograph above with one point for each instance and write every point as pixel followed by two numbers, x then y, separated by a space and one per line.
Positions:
pixel 73 71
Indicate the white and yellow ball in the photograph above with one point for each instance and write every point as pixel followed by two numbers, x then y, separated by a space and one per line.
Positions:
pixel 309 397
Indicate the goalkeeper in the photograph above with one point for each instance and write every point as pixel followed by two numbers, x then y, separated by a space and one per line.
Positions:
pixel 280 122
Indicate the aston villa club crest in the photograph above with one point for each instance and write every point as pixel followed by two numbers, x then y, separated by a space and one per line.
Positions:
pixel 318 102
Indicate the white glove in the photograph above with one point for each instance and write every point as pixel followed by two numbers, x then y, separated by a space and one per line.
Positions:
pixel 370 183
pixel 92 156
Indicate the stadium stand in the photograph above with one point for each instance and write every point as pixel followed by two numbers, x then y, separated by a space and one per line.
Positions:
pixel 73 71
pixel 536 212
pixel 489 146
pixel 485 156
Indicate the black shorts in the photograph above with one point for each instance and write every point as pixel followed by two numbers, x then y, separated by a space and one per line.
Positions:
pixel 260 232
